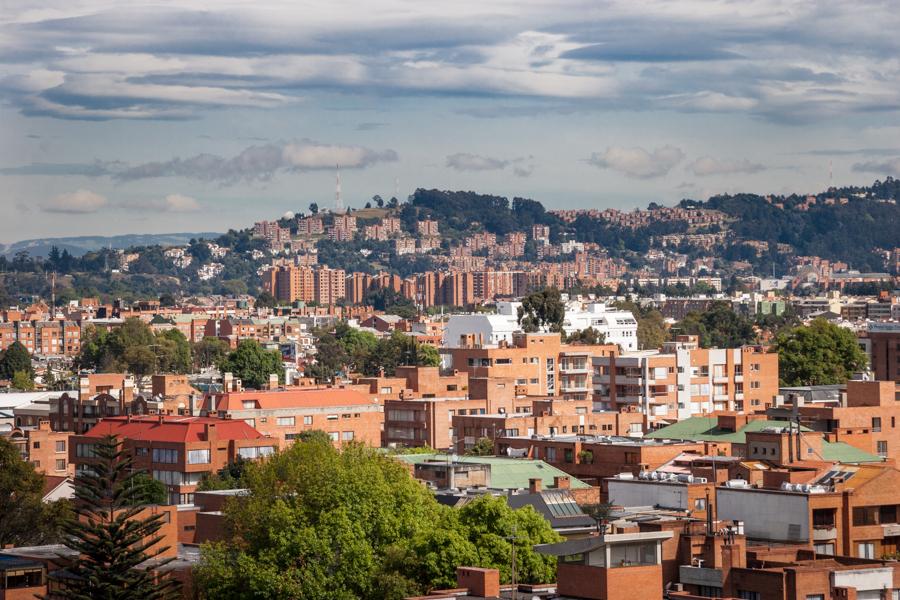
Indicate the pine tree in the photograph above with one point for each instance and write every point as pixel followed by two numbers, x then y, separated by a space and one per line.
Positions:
pixel 111 538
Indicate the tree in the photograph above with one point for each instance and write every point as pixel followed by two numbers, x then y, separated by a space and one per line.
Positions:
pixel 719 327
pixel 173 351
pixel 314 208
pixel 230 476
pixel 149 490
pixel 14 359
pixel 542 309
pixel 318 522
pixel 209 351
pixel 266 300
pixel 25 519
pixel 111 536
pixel 821 353
pixel 586 336
pixel 483 447
pixel 167 300
pixel 21 380
pixel 253 364
pixel 140 361
pixel 331 358
pixel 378 200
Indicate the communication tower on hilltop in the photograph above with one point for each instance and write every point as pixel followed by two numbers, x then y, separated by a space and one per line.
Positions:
pixel 338 200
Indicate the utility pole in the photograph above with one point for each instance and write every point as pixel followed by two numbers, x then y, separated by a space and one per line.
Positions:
pixel 515 580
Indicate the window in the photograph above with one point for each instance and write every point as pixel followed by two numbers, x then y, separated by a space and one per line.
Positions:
pixel 249 404
pixel 865 515
pixel 86 450
pixel 864 550
pixel 754 385
pixel 61 446
pixel 550 454
pixel 250 422
pixel 255 452
pixel 826 549
pixel 285 421
pixel 748 595
pixel 307 420
pixel 709 591
pixel 198 457
pixel 141 451
pixel 876 424
pixel 332 417
pixel 165 456
pixel 815 597
pixel 60 464
pixel 387 390
pixel 882 448
pixel 333 435
pixel 700 504
pixel 36 445
pixel 346 436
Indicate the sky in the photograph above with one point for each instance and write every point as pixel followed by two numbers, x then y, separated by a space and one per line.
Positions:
pixel 131 117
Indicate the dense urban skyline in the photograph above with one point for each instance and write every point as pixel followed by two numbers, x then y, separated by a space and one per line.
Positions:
pixel 158 118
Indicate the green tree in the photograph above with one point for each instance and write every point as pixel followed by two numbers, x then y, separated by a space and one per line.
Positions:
pixel 719 327
pixel 542 309
pixel 651 330
pixel 21 380
pixel 110 536
pixel 140 361
pixel 209 351
pixel 266 300
pixel 253 364
pixel 314 208
pixel 174 351
pixel 821 353
pixel 400 350
pixel 483 447
pixel 14 359
pixel 586 336
pixel 25 519
pixel 318 522
pixel 149 490
pixel 230 476
pixel 331 358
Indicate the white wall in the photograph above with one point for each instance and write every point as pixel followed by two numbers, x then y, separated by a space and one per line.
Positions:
pixel 776 516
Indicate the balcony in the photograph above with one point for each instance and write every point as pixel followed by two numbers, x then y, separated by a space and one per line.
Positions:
pixel 824 534
pixel 574 368
pixel 625 380
pixel 629 399
pixel 575 387
pixel 700 576
pixel 720 379
pixel 738 377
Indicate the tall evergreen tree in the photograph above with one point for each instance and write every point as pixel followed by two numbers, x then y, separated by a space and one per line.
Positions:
pixel 110 536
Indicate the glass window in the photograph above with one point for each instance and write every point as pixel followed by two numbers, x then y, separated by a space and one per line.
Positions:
pixel 60 464
pixel 165 455
pixel 346 436
pixel 198 457
pixel 865 550
pixel 61 446
pixel 285 421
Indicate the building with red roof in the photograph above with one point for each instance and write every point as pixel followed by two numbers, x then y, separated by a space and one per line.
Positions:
pixel 344 414
pixel 176 450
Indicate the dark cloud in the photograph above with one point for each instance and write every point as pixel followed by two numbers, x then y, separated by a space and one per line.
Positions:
pixel 884 167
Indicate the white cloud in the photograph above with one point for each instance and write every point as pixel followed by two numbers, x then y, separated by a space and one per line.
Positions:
pixel 180 203
pixel 705 166
pixel 464 161
pixel 78 202
pixel 882 167
pixel 638 162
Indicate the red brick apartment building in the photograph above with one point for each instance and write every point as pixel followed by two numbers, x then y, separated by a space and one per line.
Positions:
pixel 884 339
pixel 44 448
pixel 684 380
pixel 100 395
pixel 43 338
pixel 539 362
pixel 344 414
pixel 548 416
pixel 178 451
pixel 866 416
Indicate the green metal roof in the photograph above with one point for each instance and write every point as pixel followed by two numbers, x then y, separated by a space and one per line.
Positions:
pixel 706 429
pixel 506 473
pixel 845 453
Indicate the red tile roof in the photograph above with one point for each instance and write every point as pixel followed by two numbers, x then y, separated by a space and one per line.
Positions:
pixel 172 429
pixel 293 399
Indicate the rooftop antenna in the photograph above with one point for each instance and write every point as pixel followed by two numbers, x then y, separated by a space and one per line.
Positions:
pixel 338 200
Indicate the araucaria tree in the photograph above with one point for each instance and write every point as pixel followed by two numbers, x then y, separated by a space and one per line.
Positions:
pixel 112 537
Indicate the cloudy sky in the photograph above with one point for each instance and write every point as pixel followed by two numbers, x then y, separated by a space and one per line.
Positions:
pixel 119 117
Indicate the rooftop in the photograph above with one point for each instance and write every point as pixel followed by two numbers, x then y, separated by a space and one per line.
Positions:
pixel 172 429
pixel 506 473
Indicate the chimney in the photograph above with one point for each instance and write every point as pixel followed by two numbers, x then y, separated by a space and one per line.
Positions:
pixel 561 482
pixel 534 485
pixel 480 583
pixel 273 381
pixel 227 380
pixel 211 433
